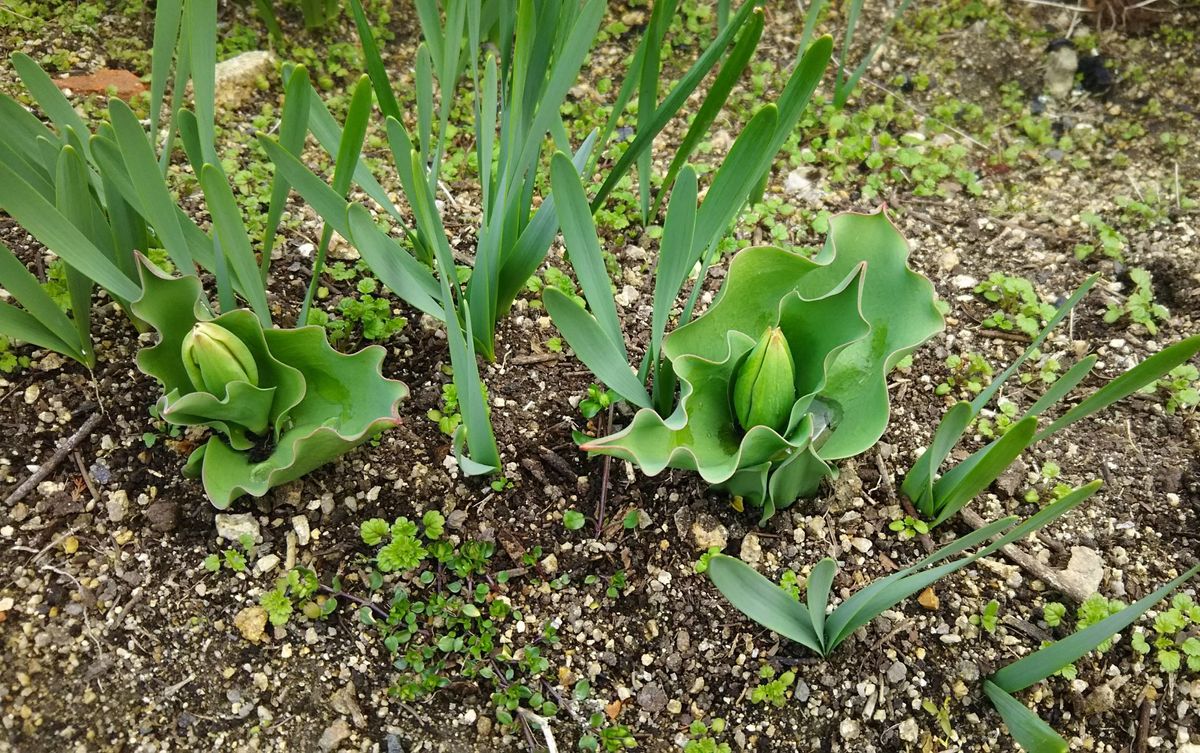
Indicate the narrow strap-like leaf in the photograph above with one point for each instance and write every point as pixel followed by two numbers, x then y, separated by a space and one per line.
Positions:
pixel 1126 384
pixel 424 81
pixel 1026 727
pixel 349 150
pixel 1044 516
pixel 44 222
pixel 1062 386
pixel 583 247
pixel 293 128
pixel 480 438
pixel 731 70
pixel 850 608
pixel 393 265
pixel 374 64
pixel 985 397
pixel 48 96
pixel 819 581
pixel 869 602
pixel 234 242
pixel 594 347
pixel 674 255
pixel 74 200
pixel 1042 663
pixel 953 491
pixel 733 181
pixel 763 601
pixel 950 429
pixel 155 201
pixel 201 34
pixel 674 100
pixel 61 334
pixel 523 259
pixel 846 87
pixel 18 324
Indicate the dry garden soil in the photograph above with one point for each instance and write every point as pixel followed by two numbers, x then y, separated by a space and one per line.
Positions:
pixel 115 636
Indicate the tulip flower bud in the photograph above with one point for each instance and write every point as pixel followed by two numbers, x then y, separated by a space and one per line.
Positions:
pixel 213 357
pixel 764 389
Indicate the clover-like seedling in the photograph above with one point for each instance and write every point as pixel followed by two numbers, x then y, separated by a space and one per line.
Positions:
pixel 787 371
pixel 280 402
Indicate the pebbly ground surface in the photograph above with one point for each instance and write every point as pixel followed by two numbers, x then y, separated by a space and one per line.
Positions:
pixel 115 637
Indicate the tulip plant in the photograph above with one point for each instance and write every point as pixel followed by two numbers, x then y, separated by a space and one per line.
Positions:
pixel 280 402
pixel 817 628
pixel 522 58
pixel 785 373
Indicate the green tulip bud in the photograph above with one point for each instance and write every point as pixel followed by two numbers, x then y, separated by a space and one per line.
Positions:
pixel 213 357
pixel 764 389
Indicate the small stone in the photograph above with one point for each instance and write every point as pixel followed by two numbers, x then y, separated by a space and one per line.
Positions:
pixel 549 565
pixel 1084 573
pixel 929 600
pixel 233 526
pixel 117 505
pixel 333 735
pixel 163 516
pixel 709 532
pixel 861 544
pixel 652 698
pixel 627 297
pixel 674 706
pixel 345 701
pixel 801 691
pixel 751 553
pixel 1100 701
pixel 252 623
pixel 124 84
pixel 613 710
pixel 964 282
pixel 897 672
pixel 237 77
pixel 1061 65
pixel 266 563
pixel 909 731
pixel 300 526
pixel 948 260
pixel 850 729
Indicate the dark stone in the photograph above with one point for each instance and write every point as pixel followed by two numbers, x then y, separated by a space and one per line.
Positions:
pixel 1098 77
pixel 163 516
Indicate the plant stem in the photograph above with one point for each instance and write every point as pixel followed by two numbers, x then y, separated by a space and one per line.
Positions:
pixel 604 480
pixel 380 611
pixel 318 267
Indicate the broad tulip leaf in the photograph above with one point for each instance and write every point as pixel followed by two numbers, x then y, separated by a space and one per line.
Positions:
pixel 848 316
pixel 312 403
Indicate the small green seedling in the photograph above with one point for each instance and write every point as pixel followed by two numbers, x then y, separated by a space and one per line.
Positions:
pixel 1139 305
pixel 987 619
pixel 774 689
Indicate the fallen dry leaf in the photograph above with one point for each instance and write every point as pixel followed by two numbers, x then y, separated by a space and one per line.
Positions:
pixel 125 84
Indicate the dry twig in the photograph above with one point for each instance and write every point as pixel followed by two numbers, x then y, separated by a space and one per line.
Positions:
pixel 45 469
